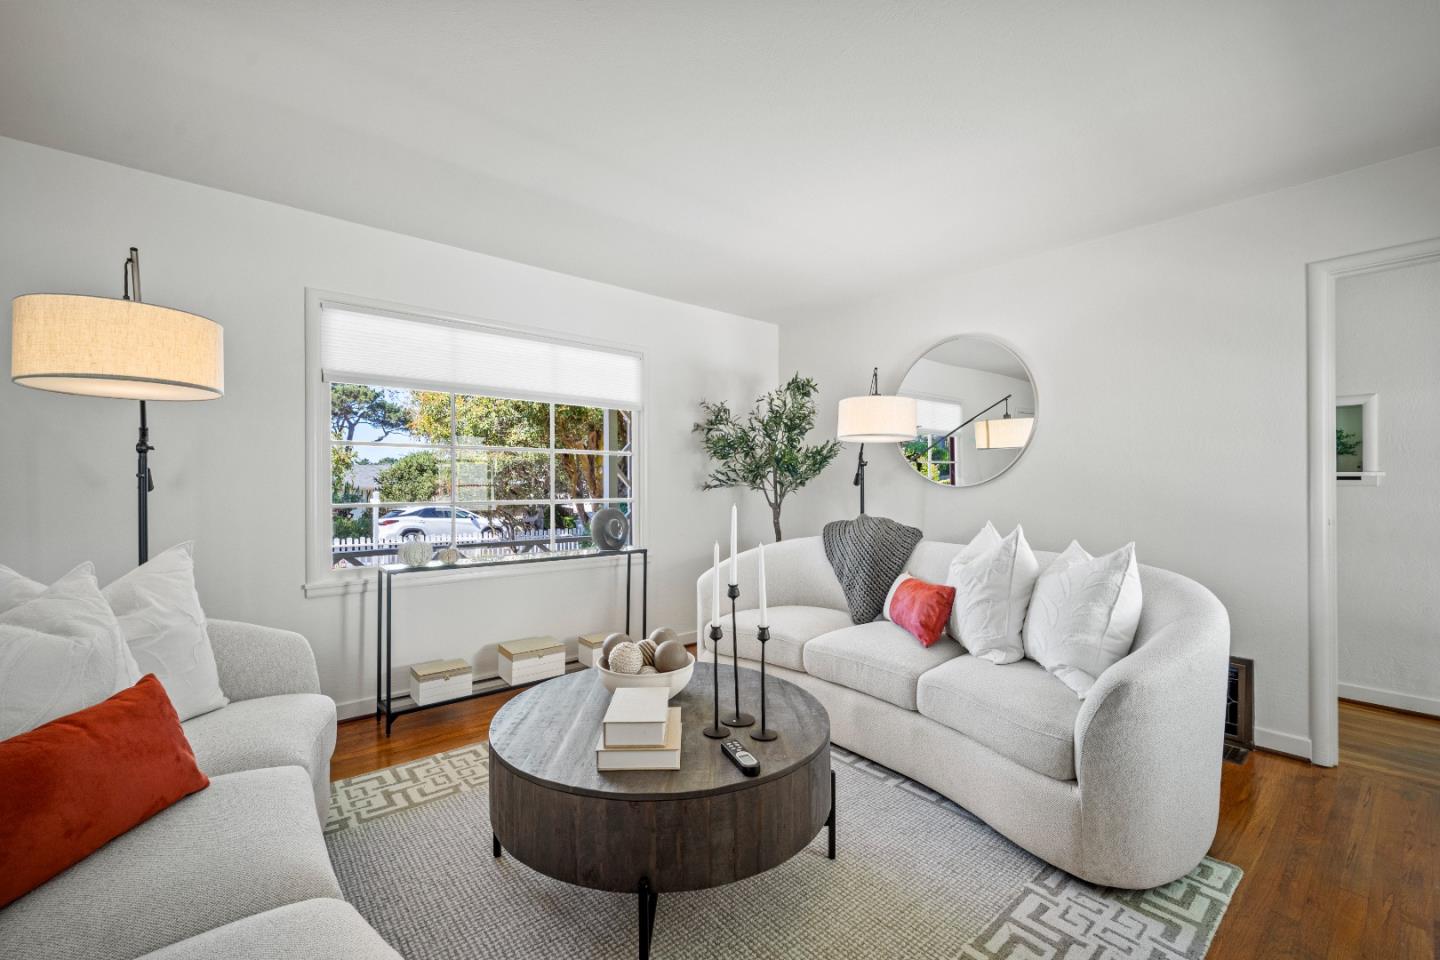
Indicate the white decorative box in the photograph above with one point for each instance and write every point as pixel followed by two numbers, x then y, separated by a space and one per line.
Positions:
pixel 531 659
pixel 590 644
pixel 436 681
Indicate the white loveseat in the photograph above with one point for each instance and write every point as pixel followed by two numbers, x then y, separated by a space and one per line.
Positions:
pixel 238 870
pixel 1121 788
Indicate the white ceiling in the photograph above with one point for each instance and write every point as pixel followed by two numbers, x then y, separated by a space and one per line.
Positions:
pixel 753 156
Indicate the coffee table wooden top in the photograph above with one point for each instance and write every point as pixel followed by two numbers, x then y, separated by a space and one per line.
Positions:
pixel 548 734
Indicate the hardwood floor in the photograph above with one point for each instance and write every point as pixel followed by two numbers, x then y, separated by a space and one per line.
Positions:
pixel 1339 863
pixel 362 745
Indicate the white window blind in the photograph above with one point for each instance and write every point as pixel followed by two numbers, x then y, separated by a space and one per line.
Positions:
pixel 937 416
pixel 460 357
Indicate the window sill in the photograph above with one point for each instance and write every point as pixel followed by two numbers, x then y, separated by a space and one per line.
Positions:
pixel 363 582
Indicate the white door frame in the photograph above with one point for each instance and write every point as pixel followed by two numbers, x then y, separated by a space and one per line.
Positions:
pixel 1321 279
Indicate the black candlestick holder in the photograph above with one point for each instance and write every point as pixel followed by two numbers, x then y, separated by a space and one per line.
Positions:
pixel 715 731
pixel 740 720
pixel 764 734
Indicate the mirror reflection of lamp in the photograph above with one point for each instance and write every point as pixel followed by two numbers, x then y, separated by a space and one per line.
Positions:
pixel 1005 432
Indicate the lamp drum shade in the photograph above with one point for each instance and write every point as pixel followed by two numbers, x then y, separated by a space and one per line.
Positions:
pixel 876 419
pixel 1003 433
pixel 101 347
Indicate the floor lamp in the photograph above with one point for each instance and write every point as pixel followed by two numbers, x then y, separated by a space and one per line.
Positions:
pixel 102 347
pixel 874 418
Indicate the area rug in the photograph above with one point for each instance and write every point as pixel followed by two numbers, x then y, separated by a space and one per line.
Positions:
pixel 917 877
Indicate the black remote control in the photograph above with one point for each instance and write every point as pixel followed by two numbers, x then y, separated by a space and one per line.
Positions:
pixel 741 757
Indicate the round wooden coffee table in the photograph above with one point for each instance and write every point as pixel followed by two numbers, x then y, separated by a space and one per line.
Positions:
pixel 653 832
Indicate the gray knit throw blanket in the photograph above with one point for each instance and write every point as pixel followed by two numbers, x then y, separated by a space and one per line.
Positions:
pixel 868 553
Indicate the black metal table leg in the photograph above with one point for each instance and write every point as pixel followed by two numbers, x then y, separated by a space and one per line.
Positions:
pixel 629 558
pixel 389 651
pixel 830 822
pixel 495 844
pixel 379 636
pixel 645 593
pixel 648 901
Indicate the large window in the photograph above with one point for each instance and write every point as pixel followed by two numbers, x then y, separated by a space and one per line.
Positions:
pixel 461 434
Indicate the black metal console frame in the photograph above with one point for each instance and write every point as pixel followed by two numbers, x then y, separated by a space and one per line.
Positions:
pixel 385 699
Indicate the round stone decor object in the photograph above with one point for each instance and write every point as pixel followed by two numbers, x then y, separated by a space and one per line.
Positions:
pixel 670 655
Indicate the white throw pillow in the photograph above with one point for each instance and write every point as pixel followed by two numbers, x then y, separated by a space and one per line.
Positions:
pixel 16 589
pixel 987 538
pixel 60 652
pixel 1084 614
pixel 160 615
pixel 992 592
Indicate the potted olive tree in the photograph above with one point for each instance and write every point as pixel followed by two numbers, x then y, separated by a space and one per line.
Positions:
pixel 766 451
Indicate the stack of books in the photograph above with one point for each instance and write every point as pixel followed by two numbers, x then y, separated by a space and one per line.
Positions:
pixel 641 731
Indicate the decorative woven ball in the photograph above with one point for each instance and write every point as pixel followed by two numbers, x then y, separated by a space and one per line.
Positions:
pixel 608 647
pixel 647 651
pixel 648 669
pixel 626 658
pixel 415 553
pixel 671 655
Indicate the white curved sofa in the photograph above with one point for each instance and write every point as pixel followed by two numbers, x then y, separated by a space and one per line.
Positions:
pixel 1121 788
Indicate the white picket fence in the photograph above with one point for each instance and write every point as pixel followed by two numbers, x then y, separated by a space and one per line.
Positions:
pixel 370 552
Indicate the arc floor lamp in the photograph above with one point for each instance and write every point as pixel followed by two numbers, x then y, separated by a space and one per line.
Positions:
pixel 874 418
pixel 126 348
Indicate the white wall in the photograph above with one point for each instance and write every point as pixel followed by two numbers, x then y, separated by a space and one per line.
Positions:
pixel 1387 341
pixel 230 473
pixel 1171 364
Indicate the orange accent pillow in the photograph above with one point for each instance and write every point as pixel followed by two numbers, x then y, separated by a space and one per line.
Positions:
pixel 74 784
pixel 921 608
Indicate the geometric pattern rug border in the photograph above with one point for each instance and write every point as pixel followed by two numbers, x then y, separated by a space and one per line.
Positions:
pixel 1054 916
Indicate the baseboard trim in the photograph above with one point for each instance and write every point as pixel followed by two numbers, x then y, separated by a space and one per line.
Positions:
pixel 365 706
pixel 1409 702
pixel 1274 741
pixel 350 709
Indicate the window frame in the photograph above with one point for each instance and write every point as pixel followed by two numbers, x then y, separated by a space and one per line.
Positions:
pixel 321 579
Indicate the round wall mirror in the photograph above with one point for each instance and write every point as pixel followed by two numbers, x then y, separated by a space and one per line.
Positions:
pixel 975 411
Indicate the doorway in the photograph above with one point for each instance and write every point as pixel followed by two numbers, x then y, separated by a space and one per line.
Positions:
pixel 1385 296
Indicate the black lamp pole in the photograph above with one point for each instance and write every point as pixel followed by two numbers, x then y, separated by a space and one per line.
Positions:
pixel 860 476
pixel 144 482
pixel 861 463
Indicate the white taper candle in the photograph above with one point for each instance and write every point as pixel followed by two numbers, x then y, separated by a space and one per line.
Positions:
pixel 764 616
pixel 715 589
pixel 734 541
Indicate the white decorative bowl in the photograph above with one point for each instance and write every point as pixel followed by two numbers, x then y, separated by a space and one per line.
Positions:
pixel 675 679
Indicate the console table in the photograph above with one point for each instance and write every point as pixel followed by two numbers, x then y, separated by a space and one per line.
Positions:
pixel 651 832
pixel 386 701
